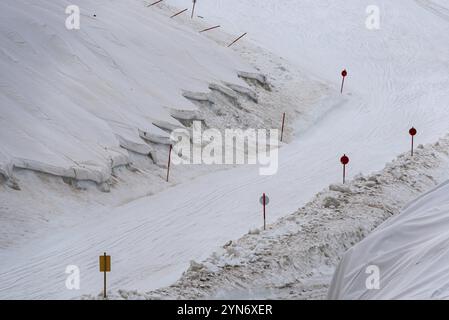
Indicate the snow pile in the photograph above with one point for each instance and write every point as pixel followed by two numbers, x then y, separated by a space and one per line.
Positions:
pixel 410 251
pixel 74 101
pixel 296 256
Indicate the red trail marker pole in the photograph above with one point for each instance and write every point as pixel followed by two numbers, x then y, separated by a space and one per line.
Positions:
pixel 344 73
pixel 264 201
pixel 282 129
pixel 344 161
pixel 413 133
pixel 169 161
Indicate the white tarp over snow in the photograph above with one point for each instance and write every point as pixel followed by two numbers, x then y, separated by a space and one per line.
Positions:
pixel 398 77
pixel 66 94
pixel 411 251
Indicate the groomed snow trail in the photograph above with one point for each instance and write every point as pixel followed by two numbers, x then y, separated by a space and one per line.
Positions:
pixel 397 78
pixel 295 258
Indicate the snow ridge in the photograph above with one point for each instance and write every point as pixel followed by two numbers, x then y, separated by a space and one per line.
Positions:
pixel 296 256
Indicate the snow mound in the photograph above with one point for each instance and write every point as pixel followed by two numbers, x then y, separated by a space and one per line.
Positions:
pixel 295 258
pixel 409 250
pixel 74 101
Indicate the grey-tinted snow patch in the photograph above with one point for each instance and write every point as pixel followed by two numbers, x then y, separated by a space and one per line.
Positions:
pixel 244 91
pixel 257 78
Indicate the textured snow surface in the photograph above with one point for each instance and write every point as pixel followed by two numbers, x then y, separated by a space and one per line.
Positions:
pixel 296 256
pixel 410 252
pixel 397 79
pixel 70 98
pixel 144 218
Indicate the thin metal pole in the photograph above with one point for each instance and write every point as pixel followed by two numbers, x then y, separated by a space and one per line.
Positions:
pixel 208 29
pixel 342 84
pixel 264 216
pixel 104 288
pixel 169 161
pixel 282 130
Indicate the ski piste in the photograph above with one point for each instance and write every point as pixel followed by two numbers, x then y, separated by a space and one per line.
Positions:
pixel 94 93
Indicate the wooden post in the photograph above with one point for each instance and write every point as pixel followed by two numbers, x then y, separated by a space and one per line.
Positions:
pixel 238 39
pixel 193 9
pixel 344 73
pixel 169 161
pixel 208 29
pixel 178 13
pixel 282 129
pixel 154 3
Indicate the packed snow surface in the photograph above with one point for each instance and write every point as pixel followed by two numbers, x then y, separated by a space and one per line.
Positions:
pixel 397 79
pixel 296 257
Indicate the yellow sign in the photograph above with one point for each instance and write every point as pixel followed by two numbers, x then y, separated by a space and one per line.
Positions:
pixel 105 263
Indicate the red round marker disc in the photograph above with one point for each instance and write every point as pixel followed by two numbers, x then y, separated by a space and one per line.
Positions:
pixel 344 160
pixel 344 73
pixel 413 132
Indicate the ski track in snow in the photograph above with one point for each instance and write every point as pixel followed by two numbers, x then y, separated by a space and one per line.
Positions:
pixel 397 78
pixel 295 258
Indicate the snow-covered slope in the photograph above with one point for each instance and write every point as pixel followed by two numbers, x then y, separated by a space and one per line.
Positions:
pixel 56 222
pixel 397 78
pixel 73 101
pixel 296 257
pixel 397 74
pixel 410 250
